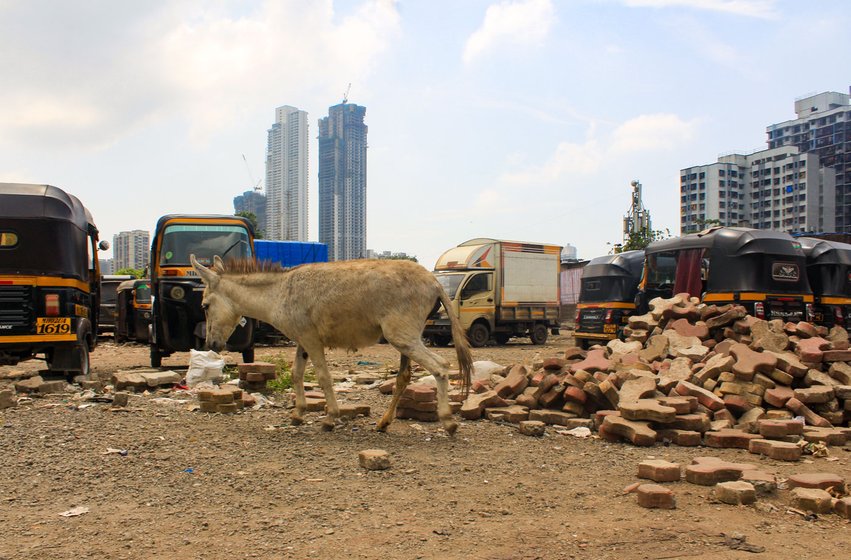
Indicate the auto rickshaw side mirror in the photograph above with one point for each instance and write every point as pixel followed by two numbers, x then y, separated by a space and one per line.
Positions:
pixel 103 245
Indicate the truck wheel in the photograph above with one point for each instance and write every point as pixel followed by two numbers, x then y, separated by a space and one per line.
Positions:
pixel 156 357
pixel 248 355
pixel 479 335
pixel 502 338
pixel 539 334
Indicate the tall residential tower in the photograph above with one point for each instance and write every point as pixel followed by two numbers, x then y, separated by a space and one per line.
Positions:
pixel 286 176
pixel 342 181
pixel 131 249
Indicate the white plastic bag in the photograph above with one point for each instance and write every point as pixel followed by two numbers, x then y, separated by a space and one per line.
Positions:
pixel 204 365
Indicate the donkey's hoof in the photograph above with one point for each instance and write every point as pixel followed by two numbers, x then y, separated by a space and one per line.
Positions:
pixel 328 426
pixel 451 428
pixel 382 426
pixel 296 420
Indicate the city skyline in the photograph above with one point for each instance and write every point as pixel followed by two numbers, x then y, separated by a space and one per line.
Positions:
pixel 510 119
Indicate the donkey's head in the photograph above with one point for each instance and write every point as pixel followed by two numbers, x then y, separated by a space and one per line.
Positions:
pixel 222 317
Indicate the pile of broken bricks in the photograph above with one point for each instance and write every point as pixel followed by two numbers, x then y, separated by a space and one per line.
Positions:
pixel 254 376
pixel 690 374
pixel 225 400
pixel 741 484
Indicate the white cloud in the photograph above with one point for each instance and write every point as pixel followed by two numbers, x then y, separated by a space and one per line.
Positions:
pixel 205 63
pixel 652 133
pixel 643 134
pixel 751 8
pixel 524 23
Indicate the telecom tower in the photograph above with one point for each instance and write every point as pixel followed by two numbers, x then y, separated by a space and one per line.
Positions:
pixel 637 218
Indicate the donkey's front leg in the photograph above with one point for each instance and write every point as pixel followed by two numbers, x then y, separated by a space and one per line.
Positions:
pixel 297 416
pixel 324 379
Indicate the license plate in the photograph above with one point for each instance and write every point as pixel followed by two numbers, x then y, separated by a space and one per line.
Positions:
pixel 610 329
pixel 53 325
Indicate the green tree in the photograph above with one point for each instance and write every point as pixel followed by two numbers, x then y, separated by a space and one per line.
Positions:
pixel 134 272
pixel 639 240
pixel 252 217
pixel 400 258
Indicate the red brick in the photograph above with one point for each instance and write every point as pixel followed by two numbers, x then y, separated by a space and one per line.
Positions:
pixel 825 481
pixel 730 439
pixel 709 471
pixel 778 450
pixel 615 428
pixel 655 496
pixel 736 492
pixel 659 471
pixel 812 499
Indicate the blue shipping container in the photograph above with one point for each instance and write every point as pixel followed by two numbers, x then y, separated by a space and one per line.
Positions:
pixel 290 253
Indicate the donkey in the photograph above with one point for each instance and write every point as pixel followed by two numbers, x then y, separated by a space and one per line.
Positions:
pixel 345 304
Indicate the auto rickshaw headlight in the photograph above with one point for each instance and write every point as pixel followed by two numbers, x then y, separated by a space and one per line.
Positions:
pixel 177 292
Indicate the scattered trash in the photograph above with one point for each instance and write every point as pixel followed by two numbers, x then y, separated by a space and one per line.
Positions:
pixel 189 470
pixel 579 431
pixel 366 363
pixel 74 512
pixel 204 365
pixel 114 451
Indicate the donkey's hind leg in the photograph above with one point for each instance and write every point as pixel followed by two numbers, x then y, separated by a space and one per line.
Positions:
pixel 414 348
pixel 297 416
pixel 402 380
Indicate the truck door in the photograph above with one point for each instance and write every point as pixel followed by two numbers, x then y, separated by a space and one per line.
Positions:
pixel 477 299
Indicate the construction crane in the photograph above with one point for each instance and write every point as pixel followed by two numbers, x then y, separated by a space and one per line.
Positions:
pixel 255 184
pixel 346 94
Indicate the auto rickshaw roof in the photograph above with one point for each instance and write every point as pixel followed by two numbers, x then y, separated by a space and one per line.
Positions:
pixel 177 217
pixel 628 263
pixel 731 241
pixel 22 200
pixel 825 251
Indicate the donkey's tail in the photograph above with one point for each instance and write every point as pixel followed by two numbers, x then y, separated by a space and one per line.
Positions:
pixel 462 346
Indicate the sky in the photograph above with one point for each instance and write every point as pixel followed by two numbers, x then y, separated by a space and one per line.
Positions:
pixel 513 119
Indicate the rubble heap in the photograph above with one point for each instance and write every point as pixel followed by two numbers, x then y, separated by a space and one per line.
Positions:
pixel 690 374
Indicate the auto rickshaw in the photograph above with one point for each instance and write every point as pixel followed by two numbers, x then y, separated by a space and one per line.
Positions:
pixel 178 323
pixel 108 295
pixel 133 310
pixel 607 296
pixel 49 278
pixel 762 270
pixel 829 273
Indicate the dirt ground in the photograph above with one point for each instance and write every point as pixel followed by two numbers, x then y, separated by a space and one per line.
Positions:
pixel 193 485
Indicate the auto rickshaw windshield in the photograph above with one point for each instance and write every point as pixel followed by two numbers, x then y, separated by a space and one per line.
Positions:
pixel 143 292
pixel 204 241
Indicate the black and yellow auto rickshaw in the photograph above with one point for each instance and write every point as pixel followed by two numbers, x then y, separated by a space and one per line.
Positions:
pixel 607 296
pixel 108 297
pixel 178 323
pixel 49 278
pixel 133 310
pixel 762 270
pixel 829 273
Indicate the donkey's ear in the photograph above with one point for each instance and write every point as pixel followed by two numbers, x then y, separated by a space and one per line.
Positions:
pixel 218 264
pixel 208 276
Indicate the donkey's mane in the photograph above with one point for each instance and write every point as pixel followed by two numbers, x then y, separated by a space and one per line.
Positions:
pixel 246 266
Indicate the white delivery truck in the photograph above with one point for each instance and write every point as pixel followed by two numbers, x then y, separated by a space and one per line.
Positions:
pixel 499 289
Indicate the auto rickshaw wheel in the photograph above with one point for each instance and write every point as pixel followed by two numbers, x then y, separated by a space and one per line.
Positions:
pixel 85 360
pixel 479 334
pixel 539 334
pixel 156 357
pixel 248 355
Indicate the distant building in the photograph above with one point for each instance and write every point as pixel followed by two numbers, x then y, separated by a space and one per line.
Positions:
pixel 254 202
pixel 780 189
pixel 131 249
pixel 823 127
pixel 286 176
pixel 106 266
pixel 370 254
pixel 342 181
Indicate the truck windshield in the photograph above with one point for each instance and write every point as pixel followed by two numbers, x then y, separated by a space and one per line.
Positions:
pixel 450 283
pixel 204 241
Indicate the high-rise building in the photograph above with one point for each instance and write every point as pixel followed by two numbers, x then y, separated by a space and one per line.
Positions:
pixel 131 249
pixel 823 127
pixel 255 203
pixel 286 176
pixel 779 188
pixel 342 181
